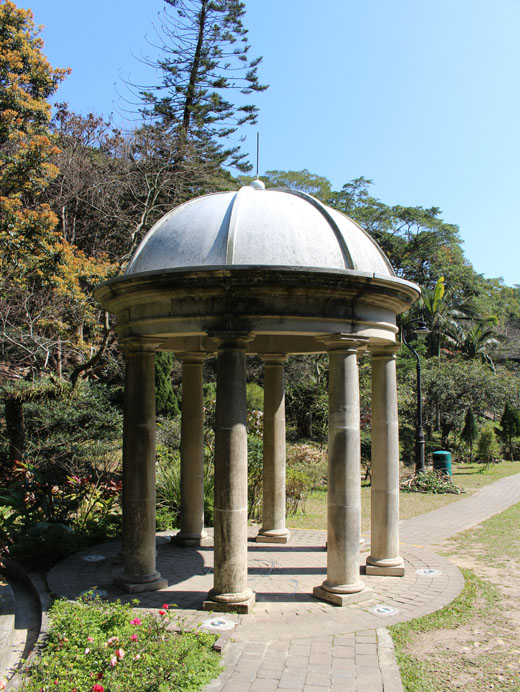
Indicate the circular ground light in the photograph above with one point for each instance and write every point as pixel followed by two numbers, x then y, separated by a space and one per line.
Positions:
pixel 217 623
pixel 93 557
pixel 428 572
pixel 384 610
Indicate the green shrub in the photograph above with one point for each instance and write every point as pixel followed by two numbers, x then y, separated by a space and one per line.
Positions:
pixel 93 645
pixel 254 396
pixel 168 489
pixel 311 460
pixel 488 449
pixel 255 470
pixel 297 486
pixel 42 521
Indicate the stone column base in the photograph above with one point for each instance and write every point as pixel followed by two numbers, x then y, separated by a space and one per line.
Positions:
pixel 242 607
pixel 274 536
pixel 132 587
pixel 191 541
pixel 393 567
pixel 342 599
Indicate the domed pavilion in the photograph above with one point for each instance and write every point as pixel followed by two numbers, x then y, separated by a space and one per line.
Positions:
pixel 271 272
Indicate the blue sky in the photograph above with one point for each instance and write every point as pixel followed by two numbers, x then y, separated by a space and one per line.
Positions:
pixel 421 97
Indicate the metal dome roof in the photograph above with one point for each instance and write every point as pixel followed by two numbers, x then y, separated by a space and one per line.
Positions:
pixel 258 227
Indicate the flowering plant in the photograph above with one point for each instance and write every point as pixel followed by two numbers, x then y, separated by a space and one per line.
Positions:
pixel 93 646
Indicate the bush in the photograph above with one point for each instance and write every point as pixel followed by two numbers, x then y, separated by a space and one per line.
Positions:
pixel 310 460
pixel 93 645
pixel 255 471
pixel 488 449
pixel 42 522
pixel 297 485
pixel 168 489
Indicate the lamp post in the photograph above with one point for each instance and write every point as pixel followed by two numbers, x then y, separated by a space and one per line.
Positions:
pixel 422 332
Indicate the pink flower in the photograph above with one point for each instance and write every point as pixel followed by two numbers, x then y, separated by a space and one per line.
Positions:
pixel 162 612
pixel 120 654
pixel 165 606
pixel 137 657
pixel 98 688
pixel 135 621
pixel 113 662
pixel 90 639
pixel 133 637
pixel 87 651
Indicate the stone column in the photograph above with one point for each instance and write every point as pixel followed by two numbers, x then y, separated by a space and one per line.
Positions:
pixel 192 453
pixel 384 558
pixel 343 584
pixel 273 513
pixel 139 551
pixel 230 591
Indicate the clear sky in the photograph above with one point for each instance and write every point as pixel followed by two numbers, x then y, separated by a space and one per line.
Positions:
pixel 421 97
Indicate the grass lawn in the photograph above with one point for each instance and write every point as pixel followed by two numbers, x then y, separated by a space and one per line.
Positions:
pixel 470 477
pixel 472 644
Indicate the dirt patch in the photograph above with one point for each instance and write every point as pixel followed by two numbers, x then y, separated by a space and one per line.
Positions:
pixel 484 653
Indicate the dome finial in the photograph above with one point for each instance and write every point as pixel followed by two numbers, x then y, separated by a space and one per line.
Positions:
pixel 257 184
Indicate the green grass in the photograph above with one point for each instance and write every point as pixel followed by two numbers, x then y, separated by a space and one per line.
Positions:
pixel 495 542
pixel 477 599
pixel 471 477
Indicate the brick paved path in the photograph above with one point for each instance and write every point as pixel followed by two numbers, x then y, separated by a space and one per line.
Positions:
pixel 292 641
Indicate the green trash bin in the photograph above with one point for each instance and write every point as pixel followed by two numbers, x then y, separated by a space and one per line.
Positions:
pixel 442 462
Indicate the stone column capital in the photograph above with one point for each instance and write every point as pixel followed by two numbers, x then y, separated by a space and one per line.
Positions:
pixel 344 342
pixel 273 358
pixel 139 345
pixel 231 340
pixel 192 357
pixel 384 351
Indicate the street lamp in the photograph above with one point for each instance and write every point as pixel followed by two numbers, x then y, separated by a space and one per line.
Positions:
pixel 422 332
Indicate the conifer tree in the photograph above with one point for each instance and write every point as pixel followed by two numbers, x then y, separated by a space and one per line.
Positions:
pixel 470 431
pixel 509 427
pixel 205 58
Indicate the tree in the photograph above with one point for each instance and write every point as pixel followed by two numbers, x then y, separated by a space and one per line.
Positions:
pixel 166 401
pixel 312 184
pixel 46 281
pixel 205 57
pixel 509 427
pixel 488 447
pixel 470 431
pixel 26 82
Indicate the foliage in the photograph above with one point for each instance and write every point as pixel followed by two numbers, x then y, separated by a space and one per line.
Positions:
pixel 255 471
pixel 100 646
pixel 311 460
pixel 470 431
pixel 315 185
pixel 46 282
pixel 168 489
pixel 509 427
pixel 42 520
pixel 254 397
pixel 297 485
pixel 434 482
pixel 166 401
pixel 488 449
pixel 204 59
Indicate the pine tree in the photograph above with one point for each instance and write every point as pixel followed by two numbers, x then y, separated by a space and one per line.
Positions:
pixel 509 427
pixel 166 403
pixel 470 431
pixel 205 58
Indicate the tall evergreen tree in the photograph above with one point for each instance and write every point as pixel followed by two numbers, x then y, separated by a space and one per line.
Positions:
pixel 470 431
pixel 509 427
pixel 205 57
